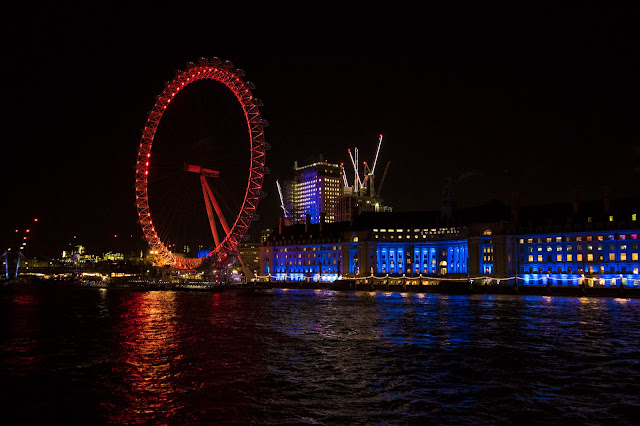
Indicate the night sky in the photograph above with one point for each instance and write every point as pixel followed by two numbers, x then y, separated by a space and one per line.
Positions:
pixel 539 99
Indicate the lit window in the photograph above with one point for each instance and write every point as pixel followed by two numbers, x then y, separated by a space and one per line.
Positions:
pixel 610 218
pixel 579 257
pixel 530 258
pixel 612 256
pixel 633 217
pixel 559 248
pixel 623 256
pixel 529 240
pixel 558 239
pixel 590 257
pixel 559 258
pixel 539 258
pixel 569 258
pixel 634 256
pixel 486 232
pixel 589 219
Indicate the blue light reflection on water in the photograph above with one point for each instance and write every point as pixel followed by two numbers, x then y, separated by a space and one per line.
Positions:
pixel 290 356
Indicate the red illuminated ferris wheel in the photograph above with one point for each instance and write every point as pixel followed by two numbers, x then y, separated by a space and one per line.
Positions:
pixel 222 251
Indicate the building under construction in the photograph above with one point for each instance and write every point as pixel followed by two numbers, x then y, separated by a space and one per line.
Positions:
pixel 323 188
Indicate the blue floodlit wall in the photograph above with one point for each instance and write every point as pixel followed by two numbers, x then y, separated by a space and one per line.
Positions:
pixel 593 258
pixel 605 258
pixel 427 258
pixel 308 195
pixel 318 263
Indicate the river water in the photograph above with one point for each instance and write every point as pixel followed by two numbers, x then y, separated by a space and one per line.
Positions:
pixel 94 356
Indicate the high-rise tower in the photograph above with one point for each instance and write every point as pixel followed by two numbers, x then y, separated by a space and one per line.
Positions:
pixel 316 188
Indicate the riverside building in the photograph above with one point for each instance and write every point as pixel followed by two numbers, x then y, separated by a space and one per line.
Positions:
pixel 591 243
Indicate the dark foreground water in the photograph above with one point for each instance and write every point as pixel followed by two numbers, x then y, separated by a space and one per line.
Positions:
pixel 89 356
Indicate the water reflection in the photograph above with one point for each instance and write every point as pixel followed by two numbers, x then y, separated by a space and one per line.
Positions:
pixel 298 356
pixel 145 347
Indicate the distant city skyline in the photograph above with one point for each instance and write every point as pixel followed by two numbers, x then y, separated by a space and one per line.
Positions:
pixel 538 99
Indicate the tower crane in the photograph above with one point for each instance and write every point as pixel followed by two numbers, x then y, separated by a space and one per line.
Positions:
pixel 286 212
pixel 357 183
pixel 369 172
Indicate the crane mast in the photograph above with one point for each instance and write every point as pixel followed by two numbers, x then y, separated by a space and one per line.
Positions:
pixel 284 209
pixel 365 186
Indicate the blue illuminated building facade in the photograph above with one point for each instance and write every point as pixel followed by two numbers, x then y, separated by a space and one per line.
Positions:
pixel 316 188
pixel 304 252
pixel 593 243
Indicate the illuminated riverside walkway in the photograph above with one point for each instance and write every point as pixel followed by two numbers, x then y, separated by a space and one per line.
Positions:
pixel 386 284
pixel 479 285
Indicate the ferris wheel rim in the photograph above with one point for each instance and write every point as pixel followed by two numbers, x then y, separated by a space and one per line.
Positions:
pixel 224 73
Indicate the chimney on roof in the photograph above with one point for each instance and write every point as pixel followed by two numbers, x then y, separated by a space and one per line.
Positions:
pixel 322 219
pixel 307 222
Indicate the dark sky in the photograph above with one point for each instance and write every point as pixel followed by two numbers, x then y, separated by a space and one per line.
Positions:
pixel 540 99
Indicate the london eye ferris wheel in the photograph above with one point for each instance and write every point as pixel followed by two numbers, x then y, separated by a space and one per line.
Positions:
pixel 200 166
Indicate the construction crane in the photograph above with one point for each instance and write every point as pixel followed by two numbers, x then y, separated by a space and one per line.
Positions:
pixel 344 175
pixel 357 183
pixel 286 212
pixel 369 173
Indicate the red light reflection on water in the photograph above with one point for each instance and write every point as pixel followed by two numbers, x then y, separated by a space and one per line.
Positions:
pixel 146 347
